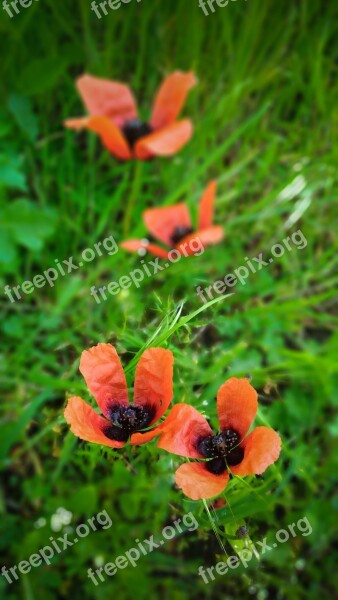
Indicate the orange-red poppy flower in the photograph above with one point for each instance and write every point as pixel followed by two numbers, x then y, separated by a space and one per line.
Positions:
pixel 172 226
pixel 187 433
pixel 104 376
pixel 113 116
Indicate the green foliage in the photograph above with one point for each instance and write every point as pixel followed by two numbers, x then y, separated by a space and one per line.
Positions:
pixel 21 109
pixel 265 116
pixel 24 225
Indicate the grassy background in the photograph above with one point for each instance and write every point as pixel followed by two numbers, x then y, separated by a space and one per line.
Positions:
pixel 265 115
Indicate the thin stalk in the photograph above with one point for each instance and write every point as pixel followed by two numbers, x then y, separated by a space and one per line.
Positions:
pixel 132 197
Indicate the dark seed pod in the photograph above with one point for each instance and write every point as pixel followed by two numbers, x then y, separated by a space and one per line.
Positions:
pixel 242 531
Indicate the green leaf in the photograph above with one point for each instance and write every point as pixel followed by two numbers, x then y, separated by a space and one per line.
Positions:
pixel 176 324
pixel 13 430
pixel 10 172
pixel 7 248
pixel 41 74
pixel 22 223
pixel 30 225
pixel 21 109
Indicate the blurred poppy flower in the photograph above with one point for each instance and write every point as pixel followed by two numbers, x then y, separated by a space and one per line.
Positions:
pixel 104 376
pixel 113 116
pixel 218 504
pixel 187 433
pixel 172 226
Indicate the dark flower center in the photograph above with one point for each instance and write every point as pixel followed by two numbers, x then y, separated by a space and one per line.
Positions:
pixel 180 233
pixel 135 130
pixel 127 420
pixel 223 449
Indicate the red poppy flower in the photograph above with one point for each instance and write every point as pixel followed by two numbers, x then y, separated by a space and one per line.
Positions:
pixel 172 226
pixel 104 376
pixel 187 433
pixel 113 116
pixel 218 504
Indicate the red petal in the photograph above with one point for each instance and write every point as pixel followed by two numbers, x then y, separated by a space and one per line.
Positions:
pixel 261 448
pixel 204 237
pixel 197 483
pixel 162 222
pixel 154 380
pixel 218 504
pixel 111 136
pixel 182 429
pixel 171 97
pixel 206 210
pixel 137 245
pixel 77 123
pixel 106 98
pixel 164 142
pixel 87 424
pixel 137 439
pixel 236 405
pixel 104 376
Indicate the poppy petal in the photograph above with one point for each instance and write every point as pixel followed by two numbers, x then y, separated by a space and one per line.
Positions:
pixel 236 405
pixel 77 123
pixel 111 136
pixel 171 97
pixel 137 439
pixel 206 237
pixel 137 245
pixel 154 381
pixel 164 142
pixel 106 98
pixel 182 429
pixel 104 376
pixel 261 448
pixel 206 209
pixel 162 222
pixel 197 483
pixel 86 424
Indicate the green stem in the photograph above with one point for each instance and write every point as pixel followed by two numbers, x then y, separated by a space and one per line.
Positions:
pixel 132 197
pixel 214 527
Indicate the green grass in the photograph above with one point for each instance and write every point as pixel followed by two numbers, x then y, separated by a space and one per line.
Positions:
pixel 265 112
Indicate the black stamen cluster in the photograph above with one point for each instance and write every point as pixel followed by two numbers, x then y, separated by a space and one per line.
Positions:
pixel 127 420
pixel 135 130
pixel 222 449
pixel 180 233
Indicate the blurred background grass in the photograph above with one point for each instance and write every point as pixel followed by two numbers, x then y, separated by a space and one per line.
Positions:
pixel 265 114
